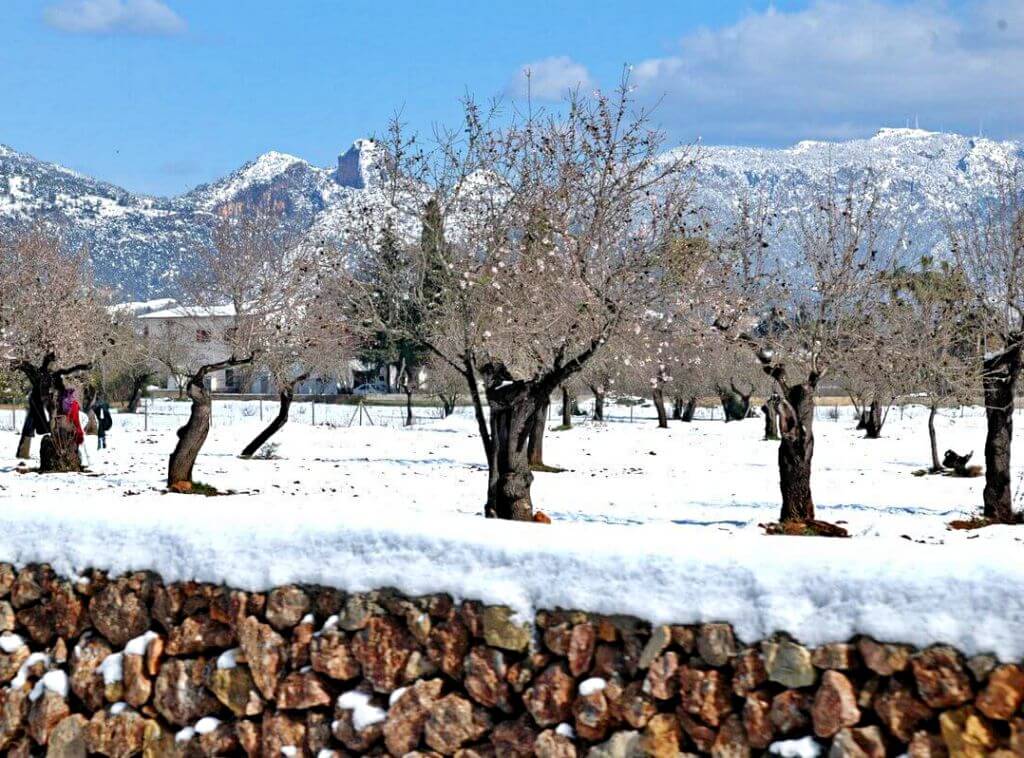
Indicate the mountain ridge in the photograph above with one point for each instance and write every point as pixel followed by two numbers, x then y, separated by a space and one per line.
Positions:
pixel 139 244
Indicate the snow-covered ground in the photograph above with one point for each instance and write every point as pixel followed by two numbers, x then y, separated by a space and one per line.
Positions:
pixel 659 523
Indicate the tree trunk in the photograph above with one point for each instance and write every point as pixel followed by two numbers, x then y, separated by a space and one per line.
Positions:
pixel 936 464
pixel 27 433
pixel 514 408
pixel 598 403
pixel 770 409
pixel 796 418
pixel 192 435
pixel 535 447
pixel 872 420
pixel 659 404
pixel 447 403
pixel 408 406
pixel 58 450
pixel 566 408
pixel 999 381
pixel 285 396
pixel 138 384
pixel 690 410
pixel 677 408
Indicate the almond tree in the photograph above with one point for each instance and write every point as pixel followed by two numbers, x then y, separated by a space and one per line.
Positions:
pixel 53 325
pixel 802 306
pixel 550 235
pixel 988 244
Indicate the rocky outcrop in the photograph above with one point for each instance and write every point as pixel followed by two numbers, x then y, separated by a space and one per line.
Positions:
pixel 126 666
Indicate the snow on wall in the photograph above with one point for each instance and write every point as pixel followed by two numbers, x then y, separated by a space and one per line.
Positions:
pixel 969 595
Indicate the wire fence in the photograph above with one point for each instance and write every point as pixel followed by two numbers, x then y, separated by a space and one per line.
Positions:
pixel 161 414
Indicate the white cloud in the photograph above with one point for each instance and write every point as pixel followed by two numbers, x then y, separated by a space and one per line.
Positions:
pixel 143 17
pixel 840 69
pixel 550 78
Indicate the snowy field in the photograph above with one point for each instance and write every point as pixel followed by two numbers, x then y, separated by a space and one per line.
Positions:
pixel 659 523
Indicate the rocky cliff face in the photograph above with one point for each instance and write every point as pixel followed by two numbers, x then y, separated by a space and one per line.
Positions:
pixel 141 244
pixel 125 666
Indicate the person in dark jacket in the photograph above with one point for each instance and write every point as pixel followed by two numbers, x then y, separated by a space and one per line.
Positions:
pixel 104 422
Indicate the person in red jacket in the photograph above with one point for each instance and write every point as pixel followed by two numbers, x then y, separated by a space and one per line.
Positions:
pixel 72 410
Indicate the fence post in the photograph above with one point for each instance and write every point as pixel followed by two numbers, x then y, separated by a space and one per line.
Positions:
pixel 261 409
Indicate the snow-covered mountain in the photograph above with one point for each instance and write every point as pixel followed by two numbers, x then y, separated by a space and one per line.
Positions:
pixel 140 244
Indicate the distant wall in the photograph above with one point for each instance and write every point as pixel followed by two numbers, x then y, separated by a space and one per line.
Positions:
pixel 127 665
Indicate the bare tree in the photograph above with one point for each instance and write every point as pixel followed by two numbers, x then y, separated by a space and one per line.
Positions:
pixel 800 308
pixel 550 233
pixel 53 325
pixel 988 243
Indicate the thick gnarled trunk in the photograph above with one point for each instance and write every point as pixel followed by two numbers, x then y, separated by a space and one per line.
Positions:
pixel 735 404
pixel 871 420
pixel 138 384
pixel 58 450
pixel 513 407
pixel 192 435
pixel 999 381
pixel 796 451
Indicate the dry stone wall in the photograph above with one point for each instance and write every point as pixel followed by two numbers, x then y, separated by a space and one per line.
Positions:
pixel 128 665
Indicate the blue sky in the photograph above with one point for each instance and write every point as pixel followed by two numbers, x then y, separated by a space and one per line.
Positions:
pixel 161 95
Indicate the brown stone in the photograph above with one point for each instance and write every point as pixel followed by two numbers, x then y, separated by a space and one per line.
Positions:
pixel 756 721
pixel 502 629
pixel 581 648
pixel 704 694
pixel 716 643
pixel 67 740
pixel 30 585
pixel 660 638
pixel 882 658
pixel 179 695
pixel 661 736
pixel 197 634
pixel 452 722
pixel 592 716
pixel 14 705
pixel 330 654
pixel 280 731
pixel 11 662
pixel 629 704
pixel 118 735
pixel 925 745
pixel 1003 693
pixel 318 732
pixel 900 710
pixel 403 727
pixel 967 733
pixel 118 613
pixel 549 700
pixel 60 615
pixel 249 738
pixel 515 737
pixel 556 638
pixel 840 656
pixel 286 606
pixel 748 671
pixel 702 735
pixel 6 579
pixel 447 644
pixel 219 741
pixel 608 661
pixel 235 688
pixel 981 666
pixel 662 681
pixel 6 616
pixel 44 714
pixel 684 637
pixel 359 741
pixel 137 685
pixel 86 683
pixel 865 742
pixel 265 652
pixel 731 741
pixel 485 678
pixel 301 690
pixel 835 705
pixel 382 648
pixel 941 679
pixel 790 712
pixel 550 744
